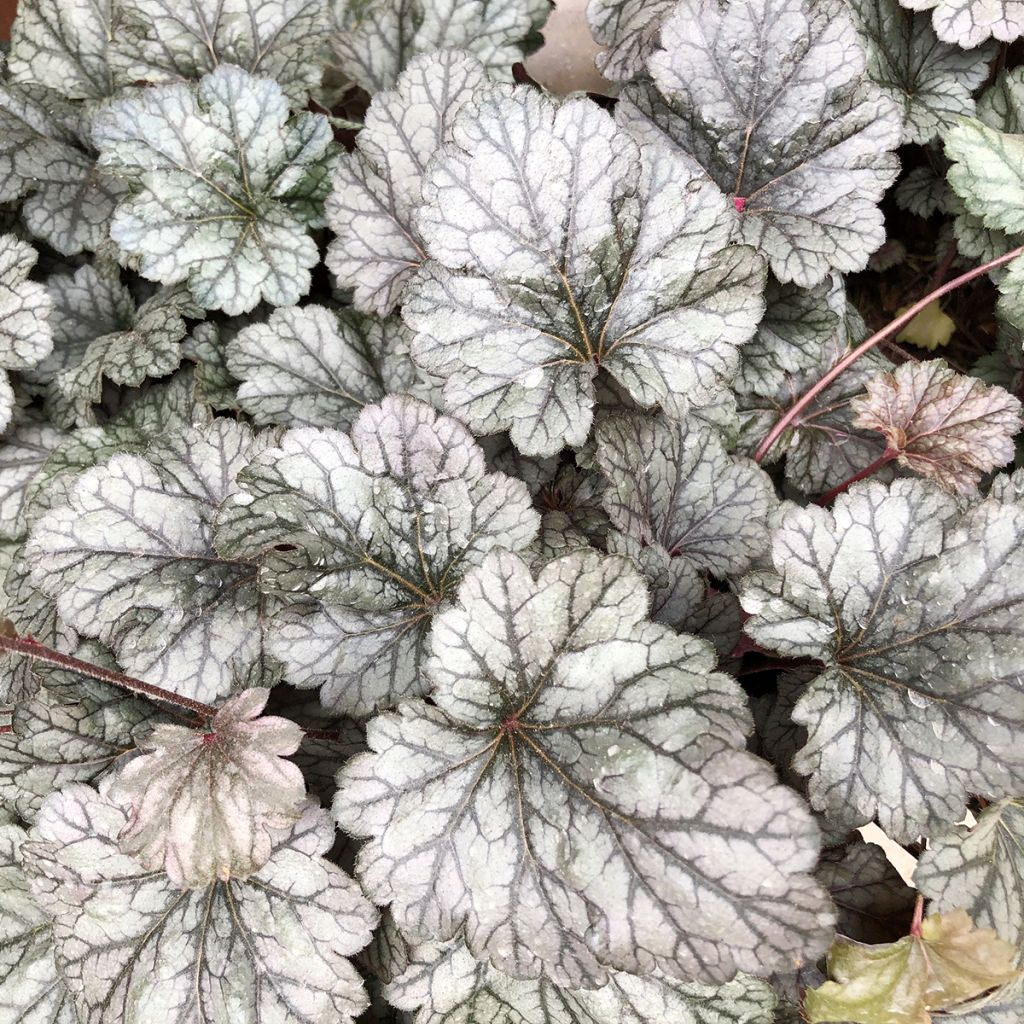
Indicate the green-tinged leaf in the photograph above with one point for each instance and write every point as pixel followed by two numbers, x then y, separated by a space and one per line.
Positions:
pixel 628 29
pixel 23 451
pixel 45 157
pixel 769 100
pixel 371 532
pixel 314 367
pixel 988 173
pixel 25 334
pixel 915 611
pixel 377 188
pixel 270 948
pixel 982 870
pixel 225 186
pixel 64 735
pixel 205 803
pixel 674 486
pixel 167 40
pixel 31 992
pixel 63 44
pixel 555 700
pixel 924 192
pixel 441 983
pixel 625 266
pixel 949 428
pixel 970 22
pixel 873 903
pixel 950 962
pixel 930 81
pixel 132 560
pixel 373 41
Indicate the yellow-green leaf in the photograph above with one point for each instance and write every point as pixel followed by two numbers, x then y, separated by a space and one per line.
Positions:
pixel 930 329
pixel 901 982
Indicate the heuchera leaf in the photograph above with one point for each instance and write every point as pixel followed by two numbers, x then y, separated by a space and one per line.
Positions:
pixel 912 608
pixel 25 449
pixel 981 869
pixel 560 248
pixel 132 560
pixel 272 948
pixel 689 497
pixel 768 100
pixel 442 983
pixel 205 802
pixel 372 533
pixel 629 30
pixel 62 735
pixel 377 188
pixel 317 367
pixel 970 22
pixel 988 173
pixel 555 700
pixel 949 428
pixel 165 41
pixel 31 991
pixel 25 335
pixel 46 157
pixel 899 983
pixel 63 44
pixel 224 187
pixel 375 40
pixel 932 82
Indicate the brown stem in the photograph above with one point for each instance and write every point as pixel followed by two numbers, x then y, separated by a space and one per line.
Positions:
pixel 883 460
pixel 39 652
pixel 851 357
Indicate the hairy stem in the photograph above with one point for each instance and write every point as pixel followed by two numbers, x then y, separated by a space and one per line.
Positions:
pixel 883 460
pixel 918 919
pixel 851 357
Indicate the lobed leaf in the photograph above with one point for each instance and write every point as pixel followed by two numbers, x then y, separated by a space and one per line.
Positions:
pixel 768 101
pixel 224 183
pixel 970 22
pixel 988 173
pixel 273 947
pixel 560 248
pixel 574 800
pixel 914 609
pixel 628 29
pixel 205 804
pixel 371 532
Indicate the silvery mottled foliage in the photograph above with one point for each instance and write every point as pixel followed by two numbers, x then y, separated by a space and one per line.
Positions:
pixel 25 333
pixel 574 799
pixel 914 609
pixel 270 948
pixel 377 188
pixel 923 192
pixel 64 735
pixel 25 449
pixel 930 81
pixel 628 29
pixel 205 803
pixel 988 174
pixel 225 185
pixel 442 983
pixel 31 991
pixel 166 41
pixel 371 533
pixel 317 367
pixel 768 100
pixel 45 156
pixel 672 485
pixel 64 44
pixel 970 22
pixel 946 426
pixel 559 248
pixel 374 41
pixel 132 559
pixel 980 869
